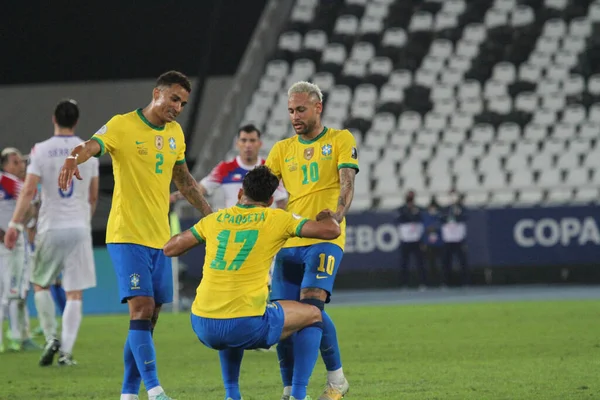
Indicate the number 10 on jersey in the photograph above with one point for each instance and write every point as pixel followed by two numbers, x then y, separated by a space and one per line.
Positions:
pixel 310 171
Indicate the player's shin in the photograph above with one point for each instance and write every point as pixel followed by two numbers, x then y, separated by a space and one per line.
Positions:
pixel 13 316
pixel 46 313
pixel 306 353
pixel 144 353
pixel 285 354
pixel 330 351
pixel 131 378
pixel 231 361
pixel 70 325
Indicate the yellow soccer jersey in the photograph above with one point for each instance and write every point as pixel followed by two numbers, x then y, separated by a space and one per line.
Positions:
pixel 309 171
pixel 241 242
pixel 143 158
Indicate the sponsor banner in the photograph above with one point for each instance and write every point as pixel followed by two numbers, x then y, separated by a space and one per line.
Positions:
pixel 495 238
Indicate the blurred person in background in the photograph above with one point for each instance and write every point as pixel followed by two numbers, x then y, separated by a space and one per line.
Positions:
pixel 433 245
pixel 11 183
pixel 454 235
pixel 18 331
pixel 228 175
pixel 411 232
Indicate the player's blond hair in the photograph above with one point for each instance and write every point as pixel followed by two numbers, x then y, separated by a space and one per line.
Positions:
pixel 306 87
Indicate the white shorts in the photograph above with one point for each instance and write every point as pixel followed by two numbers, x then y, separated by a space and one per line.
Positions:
pixel 15 273
pixel 68 251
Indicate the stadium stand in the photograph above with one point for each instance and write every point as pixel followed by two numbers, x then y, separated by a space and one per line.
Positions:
pixel 499 99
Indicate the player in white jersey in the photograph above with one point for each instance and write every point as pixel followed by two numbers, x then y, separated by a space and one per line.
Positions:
pixel 228 175
pixel 63 241
pixel 11 184
pixel 16 264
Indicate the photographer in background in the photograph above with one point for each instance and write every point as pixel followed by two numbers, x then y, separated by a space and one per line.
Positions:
pixel 433 245
pixel 454 235
pixel 411 231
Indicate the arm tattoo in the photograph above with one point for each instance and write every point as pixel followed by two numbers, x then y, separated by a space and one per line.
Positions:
pixel 346 192
pixel 189 188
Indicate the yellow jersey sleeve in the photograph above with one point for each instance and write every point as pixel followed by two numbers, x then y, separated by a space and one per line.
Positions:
pixel 274 161
pixel 181 154
pixel 291 223
pixel 108 136
pixel 198 230
pixel 348 153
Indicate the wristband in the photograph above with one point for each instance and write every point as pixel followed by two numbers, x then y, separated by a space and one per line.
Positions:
pixel 73 157
pixel 16 225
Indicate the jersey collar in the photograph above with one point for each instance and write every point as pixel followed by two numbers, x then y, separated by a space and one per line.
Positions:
pixel 245 205
pixel 315 139
pixel 145 120
pixel 239 161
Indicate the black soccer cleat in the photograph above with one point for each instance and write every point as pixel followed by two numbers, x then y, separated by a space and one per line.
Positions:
pixel 51 348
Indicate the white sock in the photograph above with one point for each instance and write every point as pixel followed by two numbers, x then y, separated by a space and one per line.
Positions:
pixel 25 321
pixel 13 318
pixel 335 377
pixel 2 308
pixel 129 397
pixel 70 325
pixel 155 391
pixel 287 390
pixel 46 313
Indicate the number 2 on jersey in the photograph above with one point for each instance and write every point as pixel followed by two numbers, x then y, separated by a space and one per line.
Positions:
pixel 248 238
pixel 313 168
pixel 159 161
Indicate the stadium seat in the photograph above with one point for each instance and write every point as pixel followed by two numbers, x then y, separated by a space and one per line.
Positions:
pixel 504 93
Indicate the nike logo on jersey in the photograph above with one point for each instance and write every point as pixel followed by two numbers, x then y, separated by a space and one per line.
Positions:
pixel 148 362
pixel 137 142
pixel 322 276
pixel 289 159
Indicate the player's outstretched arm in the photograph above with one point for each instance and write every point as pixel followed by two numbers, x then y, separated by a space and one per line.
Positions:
pixel 79 155
pixel 347 176
pixel 190 189
pixel 326 227
pixel 180 243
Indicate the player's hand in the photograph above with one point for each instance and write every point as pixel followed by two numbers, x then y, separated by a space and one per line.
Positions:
pixel 10 238
pixel 326 213
pixel 67 171
pixel 174 197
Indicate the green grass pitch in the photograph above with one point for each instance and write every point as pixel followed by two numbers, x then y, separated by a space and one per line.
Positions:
pixel 480 351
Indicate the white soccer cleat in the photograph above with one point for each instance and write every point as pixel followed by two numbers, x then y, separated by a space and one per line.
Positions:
pixel 335 392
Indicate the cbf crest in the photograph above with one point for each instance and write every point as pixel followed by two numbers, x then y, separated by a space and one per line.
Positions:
pixel 134 280
pixel 326 150
pixel 172 144
pixel 308 153
pixel 158 142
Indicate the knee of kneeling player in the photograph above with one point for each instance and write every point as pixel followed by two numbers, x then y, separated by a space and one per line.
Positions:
pixel 315 311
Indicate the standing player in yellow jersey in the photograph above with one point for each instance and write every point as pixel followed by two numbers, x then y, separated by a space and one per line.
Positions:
pixel 317 168
pixel 230 312
pixel 148 150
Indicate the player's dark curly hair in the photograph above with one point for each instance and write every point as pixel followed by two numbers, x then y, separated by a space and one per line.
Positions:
pixel 66 113
pixel 259 184
pixel 174 78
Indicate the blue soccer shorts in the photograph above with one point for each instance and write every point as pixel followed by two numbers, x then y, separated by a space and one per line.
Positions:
pixel 142 271
pixel 259 332
pixel 312 266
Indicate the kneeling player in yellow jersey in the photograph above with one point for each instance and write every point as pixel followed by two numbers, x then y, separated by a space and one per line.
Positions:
pixel 230 312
